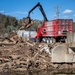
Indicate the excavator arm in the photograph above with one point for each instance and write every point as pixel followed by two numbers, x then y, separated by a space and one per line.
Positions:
pixel 41 9
pixel 29 21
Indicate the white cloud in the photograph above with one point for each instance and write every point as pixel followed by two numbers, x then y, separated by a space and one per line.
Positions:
pixel 54 16
pixel 1 11
pixel 67 11
pixel 20 12
pixel 17 12
pixel 65 16
pixel 74 15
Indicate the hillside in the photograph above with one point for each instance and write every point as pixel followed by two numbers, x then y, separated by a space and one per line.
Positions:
pixel 7 23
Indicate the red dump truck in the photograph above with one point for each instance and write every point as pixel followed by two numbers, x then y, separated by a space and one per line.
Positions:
pixel 54 30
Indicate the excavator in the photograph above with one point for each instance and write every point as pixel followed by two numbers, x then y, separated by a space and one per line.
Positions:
pixel 30 22
pixel 51 31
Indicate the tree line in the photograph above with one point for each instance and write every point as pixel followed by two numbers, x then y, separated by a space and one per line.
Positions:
pixel 7 23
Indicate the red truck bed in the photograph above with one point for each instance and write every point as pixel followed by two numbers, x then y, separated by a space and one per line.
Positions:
pixel 55 28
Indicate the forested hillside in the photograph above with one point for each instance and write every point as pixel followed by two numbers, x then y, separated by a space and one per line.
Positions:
pixel 9 23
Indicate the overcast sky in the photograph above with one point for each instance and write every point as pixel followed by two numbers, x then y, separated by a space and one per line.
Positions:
pixel 20 8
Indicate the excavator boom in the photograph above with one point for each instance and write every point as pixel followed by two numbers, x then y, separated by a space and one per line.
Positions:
pixel 41 9
pixel 29 21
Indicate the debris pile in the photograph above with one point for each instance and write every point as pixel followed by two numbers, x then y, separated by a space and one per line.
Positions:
pixel 25 56
pixel 26 23
pixel 11 39
pixel 20 54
